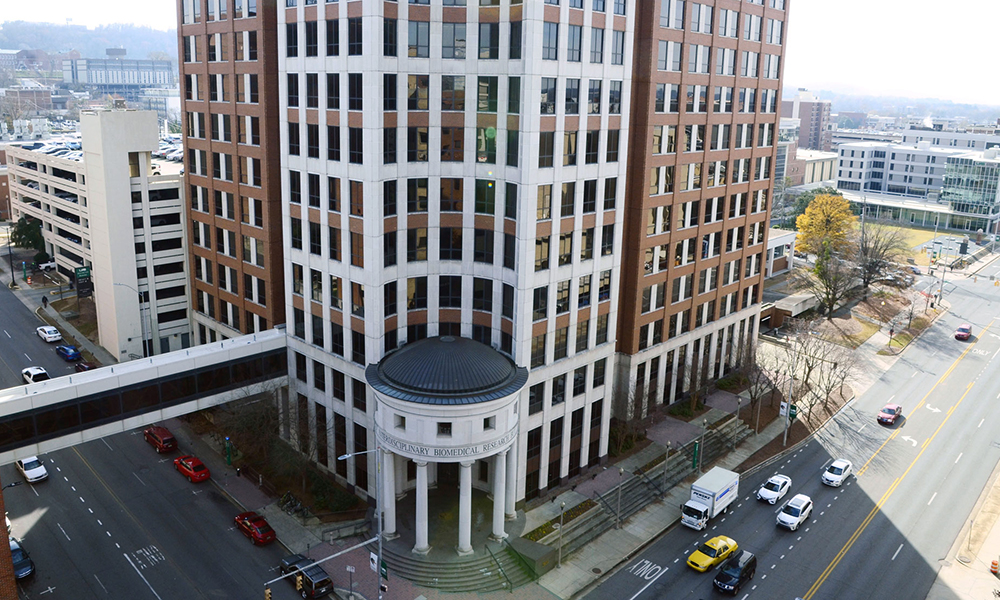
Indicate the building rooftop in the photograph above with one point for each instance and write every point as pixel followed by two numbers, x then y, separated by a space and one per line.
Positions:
pixel 446 370
pixel 802 154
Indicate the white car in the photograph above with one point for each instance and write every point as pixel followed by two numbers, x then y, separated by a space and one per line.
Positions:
pixel 837 473
pixel 774 489
pixel 795 512
pixel 34 374
pixel 32 469
pixel 48 333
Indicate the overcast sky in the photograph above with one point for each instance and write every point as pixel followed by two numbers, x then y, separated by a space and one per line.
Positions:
pixel 914 48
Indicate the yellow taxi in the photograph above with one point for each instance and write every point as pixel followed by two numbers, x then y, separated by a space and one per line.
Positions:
pixel 711 553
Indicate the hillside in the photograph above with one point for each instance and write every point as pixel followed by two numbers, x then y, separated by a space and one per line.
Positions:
pixel 91 43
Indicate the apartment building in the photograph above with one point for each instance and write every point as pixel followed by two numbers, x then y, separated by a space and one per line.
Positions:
pixel 814 114
pixel 115 211
pixel 915 170
pixel 229 95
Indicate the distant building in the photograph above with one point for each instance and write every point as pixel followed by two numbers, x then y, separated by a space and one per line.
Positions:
pixel 812 166
pixel 916 170
pixel 814 115
pixel 8 60
pixel 165 101
pixel 951 139
pixel 32 100
pixel 119 76
pixel 845 136
pixel 114 213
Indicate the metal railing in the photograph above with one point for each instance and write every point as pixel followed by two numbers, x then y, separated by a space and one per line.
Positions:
pixel 510 584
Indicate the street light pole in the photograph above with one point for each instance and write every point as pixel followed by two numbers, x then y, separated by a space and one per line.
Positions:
pixel 788 403
pixel 10 251
pixel 618 514
pixel 562 511
pixel 378 500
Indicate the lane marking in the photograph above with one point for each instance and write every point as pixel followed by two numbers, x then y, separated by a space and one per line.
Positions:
pixel 140 480
pixel 932 499
pixel 101 584
pixel 897 552
pixel 862 427
pixel 28 357
pixel 8 335
pixel 878 507
pixel 59 525
pixel 980 423
pixel 864 467
pixel 959 457
pixel 660 574
pixel 150 586
pixel 107 444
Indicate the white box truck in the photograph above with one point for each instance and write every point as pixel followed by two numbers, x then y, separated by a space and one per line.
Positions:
pixel 710 495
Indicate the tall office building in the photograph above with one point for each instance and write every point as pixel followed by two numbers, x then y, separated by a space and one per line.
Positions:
pixel 703 143
pixel 228 62
pixel 398 229
pixel 814 115
pixel 605 230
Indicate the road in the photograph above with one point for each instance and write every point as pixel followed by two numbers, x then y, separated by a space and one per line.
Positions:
pixel 114 520
pixel 884 532
pixel 20 346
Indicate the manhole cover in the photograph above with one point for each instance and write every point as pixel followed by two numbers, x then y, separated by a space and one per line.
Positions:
pixel 596 570
pixel 964 559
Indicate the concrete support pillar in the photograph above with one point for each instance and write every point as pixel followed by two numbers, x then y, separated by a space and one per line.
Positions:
pixel 465 509
pixel 510 496
pixel 421 547
pixel 499 486
pixel 388 475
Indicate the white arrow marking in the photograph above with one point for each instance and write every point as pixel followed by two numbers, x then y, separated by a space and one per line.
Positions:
pixel 907 438
pixel 932 409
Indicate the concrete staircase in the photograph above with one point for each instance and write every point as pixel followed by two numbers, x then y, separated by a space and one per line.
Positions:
pixel 643 488
pixel 481 572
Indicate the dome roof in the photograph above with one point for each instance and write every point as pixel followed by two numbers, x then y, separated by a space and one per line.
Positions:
pixel 446 370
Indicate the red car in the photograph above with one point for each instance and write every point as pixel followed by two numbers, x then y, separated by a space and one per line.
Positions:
pixel 889 414
pixel 192 468
pixel 963 332
pixel 255 528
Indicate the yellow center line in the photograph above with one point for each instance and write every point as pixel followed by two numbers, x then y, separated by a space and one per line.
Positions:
pixel 864 467
pixel 857 533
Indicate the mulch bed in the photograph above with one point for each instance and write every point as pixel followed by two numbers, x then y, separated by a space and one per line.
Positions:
pixel 798 431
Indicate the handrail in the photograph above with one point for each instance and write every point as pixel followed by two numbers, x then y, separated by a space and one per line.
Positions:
pixel 642 474
pixel 607 506
pixel 510 584
pixel 523 561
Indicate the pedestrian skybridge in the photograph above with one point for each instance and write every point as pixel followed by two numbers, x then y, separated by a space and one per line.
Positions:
pixel 65 411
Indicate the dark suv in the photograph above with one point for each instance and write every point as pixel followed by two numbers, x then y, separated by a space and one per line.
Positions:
pixel 160 438
pixel 315 582
pixel 735 572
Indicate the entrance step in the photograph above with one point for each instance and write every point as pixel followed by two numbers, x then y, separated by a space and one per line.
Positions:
pixel 481 572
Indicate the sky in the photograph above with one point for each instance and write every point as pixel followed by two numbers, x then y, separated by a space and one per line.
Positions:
pixel 913 48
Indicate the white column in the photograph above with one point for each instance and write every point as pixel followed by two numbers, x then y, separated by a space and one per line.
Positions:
pixel 388 475
pixel 465 509
pixel 499 484
pixel 511 494
pixel 421 546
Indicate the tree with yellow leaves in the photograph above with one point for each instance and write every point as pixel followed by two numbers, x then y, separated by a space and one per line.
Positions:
pixel 826 226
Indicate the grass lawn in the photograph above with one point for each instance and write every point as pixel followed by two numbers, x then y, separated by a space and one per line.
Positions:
pixel 852 340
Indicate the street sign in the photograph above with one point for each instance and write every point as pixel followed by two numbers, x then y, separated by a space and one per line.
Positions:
pixel 794 411
pixel 372 560
pixel 84 285
pixel 350 568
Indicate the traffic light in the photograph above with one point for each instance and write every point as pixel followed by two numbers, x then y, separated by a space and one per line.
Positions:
pixel 298 581
pixel 267 593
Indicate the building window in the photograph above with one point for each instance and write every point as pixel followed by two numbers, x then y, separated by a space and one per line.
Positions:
pixel 550 41
pixel 419 39
pixel 355 41
pixel 454 40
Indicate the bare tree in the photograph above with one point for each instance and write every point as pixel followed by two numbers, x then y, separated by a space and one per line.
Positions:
pixel 839 364
pixel 831 281
pixel 879 245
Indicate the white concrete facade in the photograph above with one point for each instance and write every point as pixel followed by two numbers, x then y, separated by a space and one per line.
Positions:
pixel 110 213
pixel 578 242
